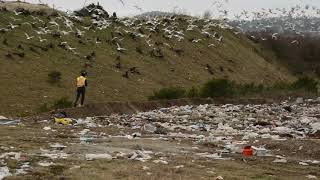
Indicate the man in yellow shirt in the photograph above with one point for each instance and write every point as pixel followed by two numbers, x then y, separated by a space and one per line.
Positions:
pixel 81 88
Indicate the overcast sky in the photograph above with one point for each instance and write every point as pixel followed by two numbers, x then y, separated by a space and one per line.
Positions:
pixel 194 7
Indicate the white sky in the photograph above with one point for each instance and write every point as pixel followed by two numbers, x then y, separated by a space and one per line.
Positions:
pixel 194 7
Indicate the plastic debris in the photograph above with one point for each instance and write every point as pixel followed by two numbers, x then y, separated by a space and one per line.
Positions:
pixel 150 128
pixel 160 161
pixel 90 157
pixel 53 155
pixel 247 151
pixel 303 164
pixel 4 172
pixel 47 128
pixel 311 177
pixel 64 121
pixel 58 146
pixel 219 178
pixel 45 164
pixel 280 160
pixel 260 151
pixel 9 122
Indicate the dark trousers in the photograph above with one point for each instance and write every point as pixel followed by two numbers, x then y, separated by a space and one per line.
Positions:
pixel 81 91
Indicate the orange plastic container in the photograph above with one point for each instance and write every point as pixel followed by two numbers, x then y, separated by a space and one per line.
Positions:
pixel 247 151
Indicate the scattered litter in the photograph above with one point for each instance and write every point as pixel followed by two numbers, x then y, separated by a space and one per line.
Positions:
pixel 303 164
pixel 86 136
pixel 179 167
pixel 88 122
pixel 150 128
pixel 211 156
pixel 145 168
pixel 90 157
pixel 280 161
pixel 160 161
pixel 58 146
pixel 45 164
pixel 52 155
pixel 136 135
pixel 47 128
pixel 299 100
pixel 140 156
pixel 247 151
pixel 24 168
pixel 75 167
pixel 311 177
pixel 260 151
pixel 64 121
pixel 11 155
pixel 219 178
pixel 9 122
pixel 4 172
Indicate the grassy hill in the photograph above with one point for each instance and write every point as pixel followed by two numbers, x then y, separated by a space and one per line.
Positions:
pixel 153 57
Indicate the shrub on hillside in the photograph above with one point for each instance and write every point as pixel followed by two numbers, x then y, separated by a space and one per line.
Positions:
pixel 54 77
pixel 62 103
pixel 251 88
pixel 44 108
pixel 193 92
pixel 168 93
pixel 306 83
pixel 218 88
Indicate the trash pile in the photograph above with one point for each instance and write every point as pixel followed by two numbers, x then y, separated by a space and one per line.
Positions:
pixel 208 122
pixel 233 128
pixel 204 132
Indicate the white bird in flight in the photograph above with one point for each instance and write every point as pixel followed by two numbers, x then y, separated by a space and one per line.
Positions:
pixel 29 37
pixel 119 48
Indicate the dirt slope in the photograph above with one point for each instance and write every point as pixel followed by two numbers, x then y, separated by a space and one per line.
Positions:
pixel 155 59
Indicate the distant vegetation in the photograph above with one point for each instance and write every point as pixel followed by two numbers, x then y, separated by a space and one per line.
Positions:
pixel 62 103
pixel 54 77
pixel 168 93
pixel 300 53
pixel 226 88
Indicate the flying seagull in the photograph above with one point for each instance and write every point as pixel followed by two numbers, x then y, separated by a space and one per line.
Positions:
pixel 28 37
pixel 138 8
pixel 122 2
pixel 120 48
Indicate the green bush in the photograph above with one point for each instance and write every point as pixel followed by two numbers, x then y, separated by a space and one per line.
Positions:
pixel 54 77
pixel 168 93
pixel 193 92
pixel 218 88
pixel 44 108
pixel 62 103
pixel 251 88
pixel 306 83
pixel 280 85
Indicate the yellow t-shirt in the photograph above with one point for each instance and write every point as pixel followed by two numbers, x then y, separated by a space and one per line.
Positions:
pixel 81 81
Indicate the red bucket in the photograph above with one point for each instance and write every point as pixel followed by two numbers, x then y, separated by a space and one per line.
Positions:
pixel 247 151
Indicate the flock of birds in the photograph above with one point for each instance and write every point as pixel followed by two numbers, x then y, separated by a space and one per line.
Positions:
pixel 150 35
pixel 297 21
pixel 63 25
pixel 117 32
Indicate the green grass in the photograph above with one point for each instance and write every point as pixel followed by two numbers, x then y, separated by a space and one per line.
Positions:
pixel 25 78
